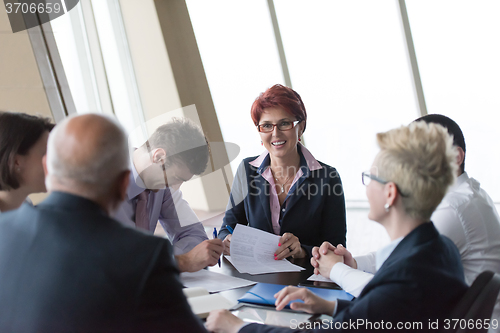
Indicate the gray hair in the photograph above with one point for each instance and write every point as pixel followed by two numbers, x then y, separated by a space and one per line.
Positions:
pixel 95 164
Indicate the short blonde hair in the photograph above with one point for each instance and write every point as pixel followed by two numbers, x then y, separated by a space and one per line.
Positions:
pixel 421 159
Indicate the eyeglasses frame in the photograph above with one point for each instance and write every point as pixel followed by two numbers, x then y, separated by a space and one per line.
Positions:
pixel 294 123
pixel 381 181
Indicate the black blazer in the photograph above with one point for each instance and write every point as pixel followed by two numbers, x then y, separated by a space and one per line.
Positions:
pixel 67 267
pixel 421 280
pixel 314 211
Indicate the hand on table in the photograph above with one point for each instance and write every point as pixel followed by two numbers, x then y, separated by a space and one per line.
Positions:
pixel 312 303
pixel 227 245
pixel 207 253
pixel 223 321
pixel 289 245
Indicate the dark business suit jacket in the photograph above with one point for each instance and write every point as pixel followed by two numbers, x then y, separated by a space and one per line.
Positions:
pixel 67 267
pixel 314 211
pixel 421 280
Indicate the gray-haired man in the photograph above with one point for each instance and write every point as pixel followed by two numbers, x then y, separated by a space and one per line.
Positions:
pixel 66 265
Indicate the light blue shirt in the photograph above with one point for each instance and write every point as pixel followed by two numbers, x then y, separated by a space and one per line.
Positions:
pixel 167 206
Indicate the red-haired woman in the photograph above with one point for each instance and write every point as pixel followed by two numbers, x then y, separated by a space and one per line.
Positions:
pixel 286 191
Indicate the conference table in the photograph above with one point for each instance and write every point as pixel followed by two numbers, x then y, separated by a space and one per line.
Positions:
pixel 284 278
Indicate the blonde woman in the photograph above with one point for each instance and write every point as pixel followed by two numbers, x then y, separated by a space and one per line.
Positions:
pixel 420 276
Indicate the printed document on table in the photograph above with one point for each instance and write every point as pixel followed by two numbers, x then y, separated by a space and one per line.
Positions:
pixel 252 252
pixel 213 282
pixel 229 259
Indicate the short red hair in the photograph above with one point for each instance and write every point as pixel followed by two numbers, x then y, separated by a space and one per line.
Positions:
pixel 279 96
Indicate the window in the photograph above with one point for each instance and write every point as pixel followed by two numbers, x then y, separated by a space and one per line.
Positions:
pixel 118 63
pixel 239 54
pixel 456 43
pixel 93 47
pixel 348 61
pixel 72 43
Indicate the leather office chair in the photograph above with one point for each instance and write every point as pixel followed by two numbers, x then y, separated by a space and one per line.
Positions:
pixel 477 303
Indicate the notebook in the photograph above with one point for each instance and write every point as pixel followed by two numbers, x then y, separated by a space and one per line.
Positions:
pixel 263 294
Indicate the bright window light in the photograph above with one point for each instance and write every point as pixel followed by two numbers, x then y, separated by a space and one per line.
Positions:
pixel 240 58
pixel 117 60
pixel 349 62
pixel 72 44
pixel 458 54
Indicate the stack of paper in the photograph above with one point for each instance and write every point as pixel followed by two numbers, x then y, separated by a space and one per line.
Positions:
pixel 252 252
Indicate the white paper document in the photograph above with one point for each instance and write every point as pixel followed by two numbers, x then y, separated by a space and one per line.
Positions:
pixel 213 282
pixel 202 302
pixel 318 277
pixel 252 252
pixel 229 259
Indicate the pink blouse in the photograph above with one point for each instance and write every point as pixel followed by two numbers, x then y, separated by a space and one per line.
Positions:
pixel 274 202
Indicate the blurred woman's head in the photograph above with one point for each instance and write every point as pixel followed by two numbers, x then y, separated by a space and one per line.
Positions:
pixel 419 162
pixel 23 143
pixel 280 117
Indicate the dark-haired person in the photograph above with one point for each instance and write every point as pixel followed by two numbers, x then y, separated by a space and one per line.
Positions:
pixel 171 156
pixel 23 143
pixel 467 215
pixel 285 190
pixel 420 277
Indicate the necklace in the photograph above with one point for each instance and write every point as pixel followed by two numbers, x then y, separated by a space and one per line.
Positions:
pixel 281 185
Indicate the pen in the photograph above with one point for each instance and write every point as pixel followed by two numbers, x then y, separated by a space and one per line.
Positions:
pixel 229 229
pixel 215 236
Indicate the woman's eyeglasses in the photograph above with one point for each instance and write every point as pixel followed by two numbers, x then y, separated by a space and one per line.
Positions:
pixel 283 125
pixel 367 177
